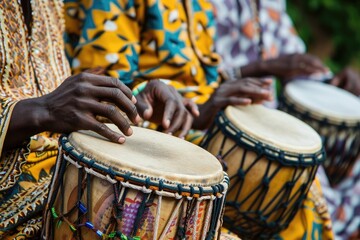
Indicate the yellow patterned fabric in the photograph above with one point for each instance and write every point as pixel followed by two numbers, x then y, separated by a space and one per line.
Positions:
pixel 228 235
pixel 137 40
pixel 30 66
pixel 312 221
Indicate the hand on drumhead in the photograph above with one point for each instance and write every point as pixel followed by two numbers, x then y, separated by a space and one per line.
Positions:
pixel 75 104
pixel 348 80
pixel 162 104
pixel 290 66
pixel 242 92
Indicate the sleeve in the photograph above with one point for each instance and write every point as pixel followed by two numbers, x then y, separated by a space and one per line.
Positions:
pixel 290 42
pixel 6 108
pixel 10 161
pixel 234 34
pixel 104 34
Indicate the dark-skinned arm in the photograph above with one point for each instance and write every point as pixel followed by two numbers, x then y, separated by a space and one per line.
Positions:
pixel 74 106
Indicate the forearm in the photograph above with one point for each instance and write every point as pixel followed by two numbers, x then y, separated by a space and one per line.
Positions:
pixel 254 69
pixel 28 118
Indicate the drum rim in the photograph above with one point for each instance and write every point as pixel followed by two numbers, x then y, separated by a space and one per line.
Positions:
pixel 270 152
pixel 152 183
pixel 302 109
pixel 309 114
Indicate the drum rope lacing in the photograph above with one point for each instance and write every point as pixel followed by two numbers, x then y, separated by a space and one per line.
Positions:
pixel 341 140
pixel 253 223
pixel 193 194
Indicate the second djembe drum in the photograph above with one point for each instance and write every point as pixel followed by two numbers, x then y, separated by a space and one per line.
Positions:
pixel 271 159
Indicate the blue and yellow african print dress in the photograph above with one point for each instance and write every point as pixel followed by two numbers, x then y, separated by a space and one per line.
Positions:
pixel 137 40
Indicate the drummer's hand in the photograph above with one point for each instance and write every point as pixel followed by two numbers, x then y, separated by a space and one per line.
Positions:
pixel 75 104
pixel 290 66
pixel 162 104
pixel 348 80
pixel 241 92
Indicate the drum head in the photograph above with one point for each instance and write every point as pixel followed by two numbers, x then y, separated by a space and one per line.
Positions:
pixel 152 154
pixel 324 101
pixel 275 128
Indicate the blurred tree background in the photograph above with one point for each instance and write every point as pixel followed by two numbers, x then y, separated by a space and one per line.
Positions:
pixel 330 29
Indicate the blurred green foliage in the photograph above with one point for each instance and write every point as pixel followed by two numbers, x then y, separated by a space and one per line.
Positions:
pixel 341 21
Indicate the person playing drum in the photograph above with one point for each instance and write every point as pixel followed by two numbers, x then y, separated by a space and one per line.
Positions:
pixel 257 38
pixel 39 98
pixel 151 40
pixel 143 40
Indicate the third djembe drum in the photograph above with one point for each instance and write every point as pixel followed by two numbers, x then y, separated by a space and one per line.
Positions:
pixel 335 115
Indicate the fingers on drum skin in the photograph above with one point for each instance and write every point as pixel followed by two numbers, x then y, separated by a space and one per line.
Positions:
pixel 111 112
pixel 171 106
pixel 178 119
pixel 191 107
pixel 103 130
pixel 186 126
pixel 117 97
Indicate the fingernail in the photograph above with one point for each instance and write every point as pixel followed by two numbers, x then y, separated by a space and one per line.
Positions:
pixel 133 99
pixel 137 119
pixel 147 113
pixel 129 131
pixel 264 91
pixel 170 133
pixel 121 140
pixel 167 123
pixel 182 137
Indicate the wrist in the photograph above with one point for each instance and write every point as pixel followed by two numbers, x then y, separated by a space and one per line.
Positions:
pixel 263 67
pixel 254 69
pixel 36 112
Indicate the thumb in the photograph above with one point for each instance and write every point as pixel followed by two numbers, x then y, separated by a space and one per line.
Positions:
pixel 144 107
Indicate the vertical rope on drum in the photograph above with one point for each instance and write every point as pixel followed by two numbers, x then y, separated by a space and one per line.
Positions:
pixel 174 215
pixel 79 194
pixel 157 219
pixel 215 215
pixel 196 218
pixel 54 190
pixel 240 174
pixel 116 208
pixel 88 195
pixel 254 190
pixel 222 209
pixel 181 229
pixel 139 213
pixel 207 219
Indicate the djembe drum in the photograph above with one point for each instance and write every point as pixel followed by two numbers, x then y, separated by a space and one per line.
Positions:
pixel 271 159
pixel 335 114
pixel 154 186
